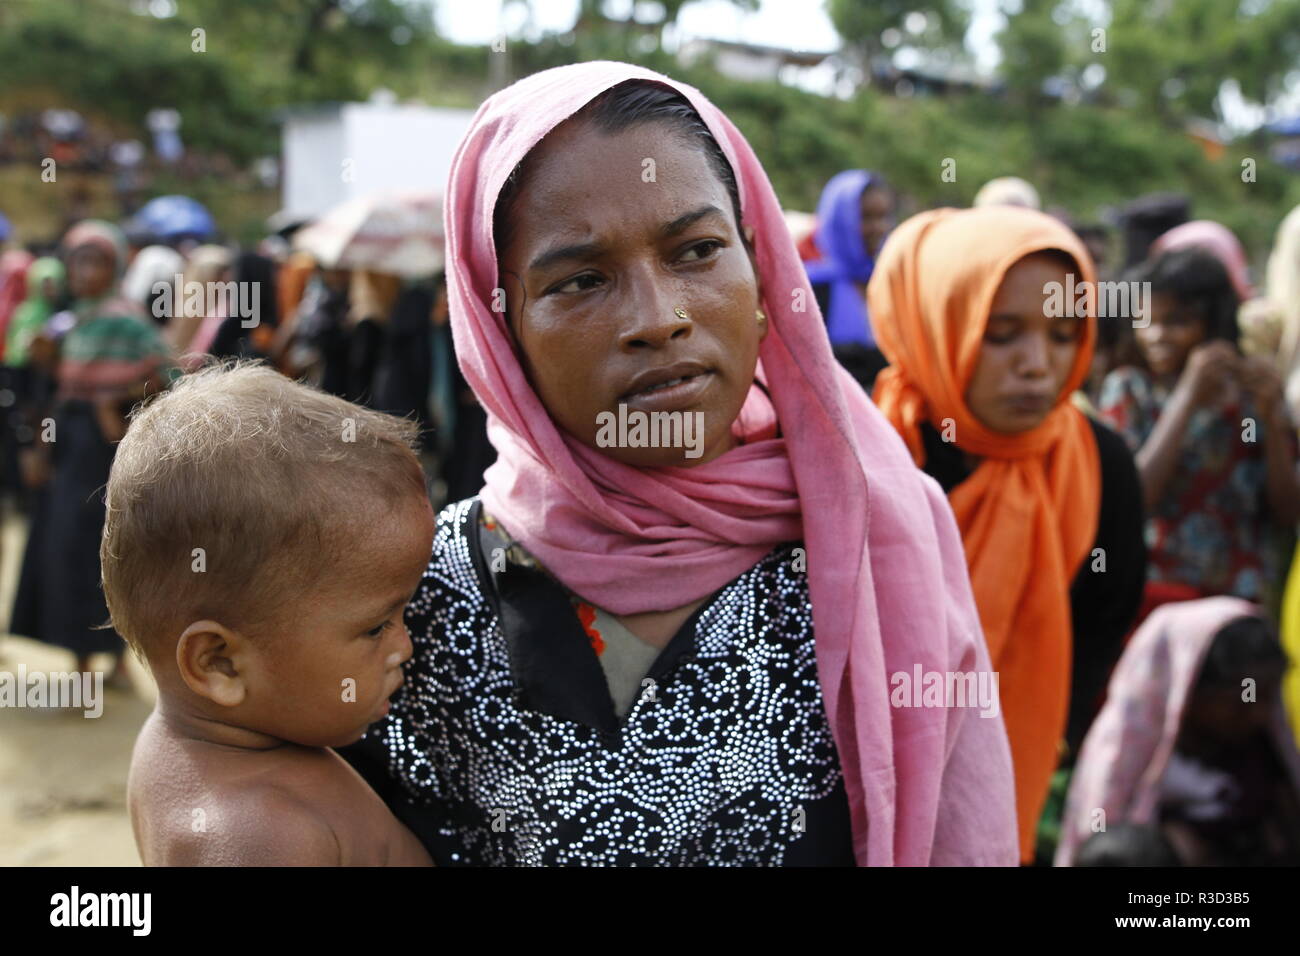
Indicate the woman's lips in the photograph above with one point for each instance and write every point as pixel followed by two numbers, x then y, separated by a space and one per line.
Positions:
pixel 672 395
pixel 1029 404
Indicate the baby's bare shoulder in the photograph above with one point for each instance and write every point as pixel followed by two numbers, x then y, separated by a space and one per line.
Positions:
pixel 279 827
pixel 260 825
pixel 195 805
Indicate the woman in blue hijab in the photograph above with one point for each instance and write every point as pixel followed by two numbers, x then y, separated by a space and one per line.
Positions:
pixel 854 214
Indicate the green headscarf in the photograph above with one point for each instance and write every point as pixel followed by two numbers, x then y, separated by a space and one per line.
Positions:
pixel 34 311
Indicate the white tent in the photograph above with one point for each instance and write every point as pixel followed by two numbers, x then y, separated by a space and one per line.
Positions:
pixel 346 150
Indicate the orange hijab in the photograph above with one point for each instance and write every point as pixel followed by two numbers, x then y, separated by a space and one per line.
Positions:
pixel 1028 513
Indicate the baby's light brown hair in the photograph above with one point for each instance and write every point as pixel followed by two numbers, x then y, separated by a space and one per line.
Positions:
pixel 238 486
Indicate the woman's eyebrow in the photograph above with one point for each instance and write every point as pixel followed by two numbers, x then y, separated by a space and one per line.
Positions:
pixel 684 222
pixel 580 251
pixel 590 250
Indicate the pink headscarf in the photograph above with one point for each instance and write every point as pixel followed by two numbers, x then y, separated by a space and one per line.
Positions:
pixel 1127 750
pixel 886 570
pixel 1215 239
pixel 14 264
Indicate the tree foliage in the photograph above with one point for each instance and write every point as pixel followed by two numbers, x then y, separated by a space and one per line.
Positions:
pixel 1124 139
pixel 861 23
pixel 1163 57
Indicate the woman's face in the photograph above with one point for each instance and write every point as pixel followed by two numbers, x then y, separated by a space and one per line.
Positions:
pixel 877 218
pixel 1173 331
pixel 1026 355
pixel 615 285
pixel 90 272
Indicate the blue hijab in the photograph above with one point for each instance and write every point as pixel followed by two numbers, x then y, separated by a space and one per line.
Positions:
pixel 845 261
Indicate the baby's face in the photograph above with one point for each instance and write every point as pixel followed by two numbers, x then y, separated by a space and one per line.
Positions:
pixel 328 673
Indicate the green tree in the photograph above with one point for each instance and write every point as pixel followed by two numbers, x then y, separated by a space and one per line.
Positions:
pixel 317 49
pixel 1173 58
pixel 862 23
pixel 1033 46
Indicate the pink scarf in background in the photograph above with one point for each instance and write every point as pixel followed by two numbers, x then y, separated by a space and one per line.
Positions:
pixel 1219 242
pixel 886 570
pixel 14 264
pixel 1124 757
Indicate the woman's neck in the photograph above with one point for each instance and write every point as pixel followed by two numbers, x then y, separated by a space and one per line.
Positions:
pixel 657 628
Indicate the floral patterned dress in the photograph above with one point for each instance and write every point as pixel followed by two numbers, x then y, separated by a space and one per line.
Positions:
pixel 1211 529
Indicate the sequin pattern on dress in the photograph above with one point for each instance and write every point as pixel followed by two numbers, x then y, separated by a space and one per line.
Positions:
pixel 714 767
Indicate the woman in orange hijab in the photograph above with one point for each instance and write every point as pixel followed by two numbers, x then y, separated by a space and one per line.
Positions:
pixel 987 318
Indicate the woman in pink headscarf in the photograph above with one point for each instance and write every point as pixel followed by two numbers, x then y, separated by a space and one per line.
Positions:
pixel 696 614
pixel 1191 753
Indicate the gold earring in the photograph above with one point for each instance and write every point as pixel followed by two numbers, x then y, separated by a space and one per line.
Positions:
pixel 760 317
pixel 681 313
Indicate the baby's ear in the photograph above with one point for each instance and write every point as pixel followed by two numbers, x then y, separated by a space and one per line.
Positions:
pixel 209 656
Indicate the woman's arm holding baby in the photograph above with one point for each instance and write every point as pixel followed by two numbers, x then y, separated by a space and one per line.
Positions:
pixel 283 830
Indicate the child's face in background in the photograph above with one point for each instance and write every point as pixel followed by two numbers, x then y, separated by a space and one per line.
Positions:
pixel 90 272
pixel 327 674
pixel 1174 330
pixel 1027 355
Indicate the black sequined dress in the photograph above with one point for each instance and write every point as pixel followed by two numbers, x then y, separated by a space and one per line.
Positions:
pixel 503 747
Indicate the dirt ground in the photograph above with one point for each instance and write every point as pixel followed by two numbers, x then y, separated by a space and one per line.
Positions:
pixel 62 776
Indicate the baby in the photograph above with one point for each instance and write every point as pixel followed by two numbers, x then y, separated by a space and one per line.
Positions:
pixel 261 542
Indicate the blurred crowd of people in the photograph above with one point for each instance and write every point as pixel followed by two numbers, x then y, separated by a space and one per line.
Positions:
pixel 1129 557
pixel 96 324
